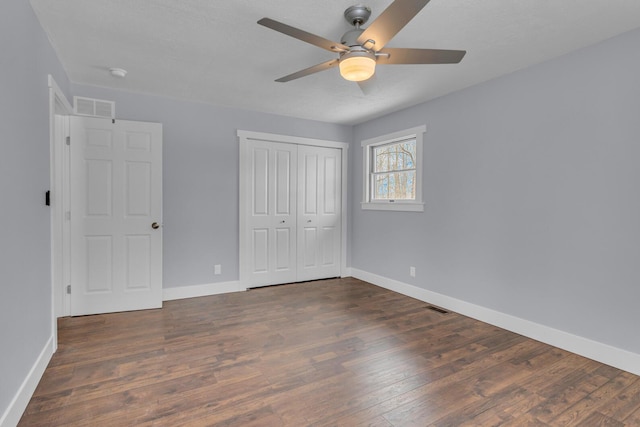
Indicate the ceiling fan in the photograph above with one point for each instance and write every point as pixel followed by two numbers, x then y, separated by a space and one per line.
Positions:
pixel 360 49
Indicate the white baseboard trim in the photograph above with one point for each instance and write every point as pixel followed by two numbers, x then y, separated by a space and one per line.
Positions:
pixel 346 273
pixel 19 403
pixel 604 353
pixel 204 290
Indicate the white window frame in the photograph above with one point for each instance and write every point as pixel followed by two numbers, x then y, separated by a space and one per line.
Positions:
pixel 367 152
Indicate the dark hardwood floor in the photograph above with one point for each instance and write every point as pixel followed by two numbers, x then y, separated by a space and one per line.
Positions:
pixel 329 353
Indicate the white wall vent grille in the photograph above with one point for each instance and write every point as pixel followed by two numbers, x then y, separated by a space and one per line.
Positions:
pixel 94 107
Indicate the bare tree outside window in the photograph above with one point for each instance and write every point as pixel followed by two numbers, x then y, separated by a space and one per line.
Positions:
pixel 394 171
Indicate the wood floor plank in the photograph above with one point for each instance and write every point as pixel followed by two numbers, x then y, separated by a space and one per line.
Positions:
pixel 428 406
pixel 480 412
pixel 633 419
pixel 583 408
pixel 337 352
pixel 596 419
pixel 566 392
pixel 625 403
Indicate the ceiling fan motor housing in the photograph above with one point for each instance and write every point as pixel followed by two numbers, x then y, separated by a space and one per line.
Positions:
pixel 350 38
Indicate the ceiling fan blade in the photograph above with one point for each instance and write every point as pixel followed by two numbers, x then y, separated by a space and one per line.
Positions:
pixel 302 35
pixel 369 86
pixel 392 20
pixel 420 56
pixel 315 69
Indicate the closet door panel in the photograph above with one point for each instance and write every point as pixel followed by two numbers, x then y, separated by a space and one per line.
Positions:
pixel 319 212
pixel 271 249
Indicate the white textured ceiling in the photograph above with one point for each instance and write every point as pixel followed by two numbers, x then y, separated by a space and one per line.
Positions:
pixel 213 51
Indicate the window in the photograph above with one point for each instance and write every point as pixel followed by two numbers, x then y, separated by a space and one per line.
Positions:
pixel 393 171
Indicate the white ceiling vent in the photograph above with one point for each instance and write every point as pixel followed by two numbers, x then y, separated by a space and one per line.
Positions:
pixel 94 107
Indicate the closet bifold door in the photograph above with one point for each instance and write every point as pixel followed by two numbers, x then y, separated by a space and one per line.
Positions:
pixel 270 217
pixel 319 212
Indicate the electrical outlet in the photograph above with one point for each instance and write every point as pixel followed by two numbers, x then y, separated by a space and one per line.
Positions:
pixel 217 269
pixel 412 271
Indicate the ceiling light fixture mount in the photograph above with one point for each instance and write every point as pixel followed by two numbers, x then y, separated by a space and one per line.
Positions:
pixel 357 15
pixel 119 73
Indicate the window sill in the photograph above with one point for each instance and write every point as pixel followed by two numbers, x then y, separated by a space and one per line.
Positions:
pixel 393 206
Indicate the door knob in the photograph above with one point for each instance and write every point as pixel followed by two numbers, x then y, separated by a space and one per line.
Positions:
pixel 155 225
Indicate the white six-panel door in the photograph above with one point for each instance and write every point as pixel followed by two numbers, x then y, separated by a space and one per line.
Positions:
pixel 291 202
pixel 116 215
pixel 271 219
pixel 319 212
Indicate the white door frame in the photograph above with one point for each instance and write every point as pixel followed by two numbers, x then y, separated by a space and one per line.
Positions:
pixel 243 136
pixel 59 111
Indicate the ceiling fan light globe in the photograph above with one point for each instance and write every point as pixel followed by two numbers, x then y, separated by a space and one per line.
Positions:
pixel 357 68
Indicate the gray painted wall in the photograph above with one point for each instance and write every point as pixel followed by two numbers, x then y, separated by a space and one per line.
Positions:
pixel 531 190
pixel 201 176
pixel 25 261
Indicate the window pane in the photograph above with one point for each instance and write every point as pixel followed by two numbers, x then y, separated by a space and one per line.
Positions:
pixel 395 186
pixel 381 187
pixel 393 157
pixel 381 156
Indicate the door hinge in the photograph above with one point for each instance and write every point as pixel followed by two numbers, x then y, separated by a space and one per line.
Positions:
pixel 68 140
pixel 69 289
